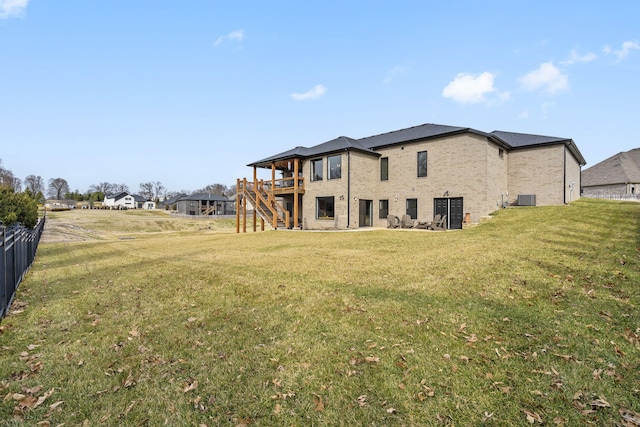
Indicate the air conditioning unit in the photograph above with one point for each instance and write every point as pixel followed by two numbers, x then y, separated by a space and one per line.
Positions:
pixel 526 199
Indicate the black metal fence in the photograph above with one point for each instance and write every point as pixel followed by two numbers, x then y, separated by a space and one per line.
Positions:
pixel 17 250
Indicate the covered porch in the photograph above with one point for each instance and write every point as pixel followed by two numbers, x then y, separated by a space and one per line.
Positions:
pixel 276 200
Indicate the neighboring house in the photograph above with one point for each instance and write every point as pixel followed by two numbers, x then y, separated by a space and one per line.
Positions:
pixel 420 171
pixel 617 176
pixel 59 205
pixel 201 204
pixel 122 200
pixel 172 202
pixel 142 203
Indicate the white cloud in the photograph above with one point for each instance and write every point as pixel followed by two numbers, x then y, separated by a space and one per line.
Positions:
pixel 315 93
pixel 237 35
pixel 9 8
pixel 469 88
pixel 575 58
pixel 624 51
pixel 547 78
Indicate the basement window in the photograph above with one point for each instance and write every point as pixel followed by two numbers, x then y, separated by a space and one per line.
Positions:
pixel 325 208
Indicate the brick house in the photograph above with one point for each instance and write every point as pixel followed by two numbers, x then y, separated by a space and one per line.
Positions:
pixel 204 204
pixel 616 177
pixel 421 171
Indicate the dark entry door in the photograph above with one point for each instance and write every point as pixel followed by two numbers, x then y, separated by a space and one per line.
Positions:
pixel 455 213
pixel 366 213
pixel 452 208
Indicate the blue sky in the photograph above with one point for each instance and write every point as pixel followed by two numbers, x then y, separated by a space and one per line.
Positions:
pixel 187 93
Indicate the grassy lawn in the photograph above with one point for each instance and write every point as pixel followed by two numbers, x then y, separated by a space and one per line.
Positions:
pixel 137 318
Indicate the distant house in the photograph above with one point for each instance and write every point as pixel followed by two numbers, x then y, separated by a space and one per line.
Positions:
pixel 420 172
pixel 59 205
pixel 200 204
pixel 617 176
pixel 171 203
pixel 125 200
pixel 119 201
pixel 142 203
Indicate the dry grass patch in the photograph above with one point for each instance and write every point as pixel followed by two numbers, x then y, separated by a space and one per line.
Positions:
pixel 531 317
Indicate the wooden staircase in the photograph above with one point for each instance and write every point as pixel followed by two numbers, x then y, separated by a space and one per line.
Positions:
pixel 266 205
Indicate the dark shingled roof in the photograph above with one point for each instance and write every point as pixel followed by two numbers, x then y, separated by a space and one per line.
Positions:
pixel 205 196
pixel 622 168
pixel 509 140
pixel 414 133
pixel 341 143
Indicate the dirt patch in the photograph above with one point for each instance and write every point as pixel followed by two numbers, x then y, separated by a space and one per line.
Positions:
pixel 56 232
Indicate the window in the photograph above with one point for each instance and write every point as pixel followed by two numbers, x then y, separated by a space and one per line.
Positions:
pixel 316 170
pixel 422 163
pixel 412 208
pixel 384 169
pixel 324 208
pixel 501 153
pixel 333 163
pixel 384 209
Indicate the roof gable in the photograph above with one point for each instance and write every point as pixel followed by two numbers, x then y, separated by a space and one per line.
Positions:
pixel 524 140
pixel 621 168
pixel 414 133
pixel 116 197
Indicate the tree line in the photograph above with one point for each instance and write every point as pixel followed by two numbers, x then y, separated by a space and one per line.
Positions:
pixel 19 199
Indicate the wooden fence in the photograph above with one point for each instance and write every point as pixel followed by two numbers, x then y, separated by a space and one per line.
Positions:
pixel 17 250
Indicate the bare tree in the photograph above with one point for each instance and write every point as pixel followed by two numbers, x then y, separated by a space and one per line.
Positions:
pixel 120 188
pixel 7 179
pixel 103 187
pixel 58 187
pixel 219 189
pixel 158 189
pixel 146 190
pixel 35 184
pixel 152 190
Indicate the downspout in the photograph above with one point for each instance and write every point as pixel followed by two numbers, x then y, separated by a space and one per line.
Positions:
pixel 564 177
pixel 348 188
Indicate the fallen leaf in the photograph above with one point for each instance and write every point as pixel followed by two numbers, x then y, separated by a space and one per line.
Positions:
pixel 362 400
pixel 630 417
pixel 189 387
pixel 391 411
pixel 600 403
pixel 44 397
pixel 533 417
pixel 560 421
pixel 319 404
pixel 372 359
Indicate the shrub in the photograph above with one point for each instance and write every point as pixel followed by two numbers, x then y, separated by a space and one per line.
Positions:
pixel 17 208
